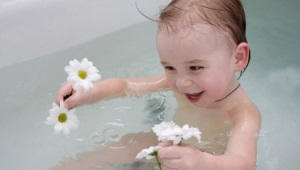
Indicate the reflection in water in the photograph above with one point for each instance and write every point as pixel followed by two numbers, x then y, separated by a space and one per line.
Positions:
pixel 116 150
pixel 107 133
pixel 118 155
pixel 155 107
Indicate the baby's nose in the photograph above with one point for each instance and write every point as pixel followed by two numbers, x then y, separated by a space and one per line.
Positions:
pixel 183 82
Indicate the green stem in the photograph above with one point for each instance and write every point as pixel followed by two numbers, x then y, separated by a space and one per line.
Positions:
pixel 158 162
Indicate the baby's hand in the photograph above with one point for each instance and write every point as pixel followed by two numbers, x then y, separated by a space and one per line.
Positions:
pixel 180 157
pixel 73 98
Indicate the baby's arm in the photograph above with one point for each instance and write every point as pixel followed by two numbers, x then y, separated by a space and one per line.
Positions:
pixel 111 88
pixel 240 153
pixel 242 146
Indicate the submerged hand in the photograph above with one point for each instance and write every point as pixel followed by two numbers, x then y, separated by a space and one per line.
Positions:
pixel 180 157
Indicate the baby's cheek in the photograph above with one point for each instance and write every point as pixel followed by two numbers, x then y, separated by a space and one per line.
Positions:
pixel 171 82
pixel 220 91
pixel 214 88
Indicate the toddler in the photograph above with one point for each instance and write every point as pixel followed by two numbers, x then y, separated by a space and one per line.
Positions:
pixel 202 45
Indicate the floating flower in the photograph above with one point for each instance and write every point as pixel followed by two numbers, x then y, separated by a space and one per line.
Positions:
pixel 82 74
pixel 170 131
pixel 62 118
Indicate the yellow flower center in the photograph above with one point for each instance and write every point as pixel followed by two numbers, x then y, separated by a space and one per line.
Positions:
pixel 62 118
pixel 82 74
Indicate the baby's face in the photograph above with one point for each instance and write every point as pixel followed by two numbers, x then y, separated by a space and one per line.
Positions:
pixel 198 63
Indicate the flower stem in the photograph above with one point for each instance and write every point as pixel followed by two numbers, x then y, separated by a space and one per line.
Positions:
pixel 158 162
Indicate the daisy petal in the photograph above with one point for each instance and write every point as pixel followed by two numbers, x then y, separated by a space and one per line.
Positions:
pixel 58 128
pixel 66 130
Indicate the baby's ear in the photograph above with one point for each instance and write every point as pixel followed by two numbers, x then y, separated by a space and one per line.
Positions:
pixel 241 56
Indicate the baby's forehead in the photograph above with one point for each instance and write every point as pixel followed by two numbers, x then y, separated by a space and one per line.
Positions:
pixel 199 31
pixel 200 38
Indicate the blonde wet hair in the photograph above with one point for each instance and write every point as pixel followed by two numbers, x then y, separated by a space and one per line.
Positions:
pixel 226 15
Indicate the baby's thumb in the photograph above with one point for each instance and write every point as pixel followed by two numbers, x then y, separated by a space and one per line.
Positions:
pixel 166 143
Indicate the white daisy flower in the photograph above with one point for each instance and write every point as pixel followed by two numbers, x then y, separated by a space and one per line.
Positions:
pixel 188 132
pixel 148 153
pixel 169 131
pixel 62 118
pixel 82 74
pixel 162 127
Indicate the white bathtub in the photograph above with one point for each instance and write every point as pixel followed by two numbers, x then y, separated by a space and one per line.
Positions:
pixel 34 28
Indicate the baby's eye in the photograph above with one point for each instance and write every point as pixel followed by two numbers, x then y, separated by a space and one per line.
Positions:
pixel 169 68
pixel 195 68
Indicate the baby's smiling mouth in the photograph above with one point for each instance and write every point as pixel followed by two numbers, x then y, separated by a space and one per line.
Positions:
pixel 195 97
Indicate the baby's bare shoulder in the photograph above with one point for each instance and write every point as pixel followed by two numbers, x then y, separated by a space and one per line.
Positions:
pixel 245 115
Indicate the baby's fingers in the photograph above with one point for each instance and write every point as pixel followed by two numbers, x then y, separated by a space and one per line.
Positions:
pixel 79 98
pixel 171 164
pixel 64 90
pixel 171 152
pixel 170 157
pixel 74 100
